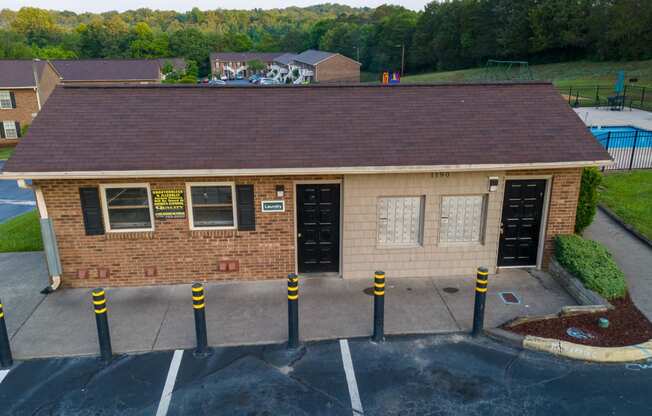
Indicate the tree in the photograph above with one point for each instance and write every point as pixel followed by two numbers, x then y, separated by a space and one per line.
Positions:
pixel 588 199
pixel 256 65
pixel 37 25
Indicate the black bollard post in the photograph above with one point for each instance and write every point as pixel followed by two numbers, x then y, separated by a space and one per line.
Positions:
pixel 102 321
pixel 6 360
pixel 199 305
pixel 293 311
pixel 379 307
pixel 481 283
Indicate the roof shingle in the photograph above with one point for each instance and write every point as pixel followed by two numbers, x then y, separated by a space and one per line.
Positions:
pixel 108 69
pixel 178 128
pixel 17 73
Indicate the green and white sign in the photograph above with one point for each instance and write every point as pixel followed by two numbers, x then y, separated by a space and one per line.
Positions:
pixel 273 206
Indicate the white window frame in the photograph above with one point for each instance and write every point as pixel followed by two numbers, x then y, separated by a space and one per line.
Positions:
pixel 483 221
pixel 105 206
pixel 191 219
pixel 422 208
pixel 15 129
pixel 10 104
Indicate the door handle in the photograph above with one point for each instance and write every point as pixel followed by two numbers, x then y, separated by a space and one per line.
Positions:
pixel 299 235
pixel 501 228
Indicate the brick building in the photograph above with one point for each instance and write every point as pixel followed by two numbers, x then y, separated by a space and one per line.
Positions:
pixel 321 66
pixel 416 180
pixel 25 86
pixel 232 64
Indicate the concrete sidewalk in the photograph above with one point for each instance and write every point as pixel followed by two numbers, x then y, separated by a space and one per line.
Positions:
pixel 632 255
pixel 241 313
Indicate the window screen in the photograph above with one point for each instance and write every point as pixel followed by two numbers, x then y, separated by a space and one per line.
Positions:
pixel 10 129
pixel 128 208
pixel 400 220
pixel 5 100
pixel 462 218
pixel 212 206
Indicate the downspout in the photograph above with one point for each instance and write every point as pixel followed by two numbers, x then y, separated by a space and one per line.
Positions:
pixel 36 83
pixel 49 239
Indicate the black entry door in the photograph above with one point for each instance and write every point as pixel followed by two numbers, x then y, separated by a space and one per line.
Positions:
pixel 318 227
pixel 521 222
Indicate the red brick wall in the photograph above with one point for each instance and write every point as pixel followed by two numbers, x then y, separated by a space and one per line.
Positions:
pixel 337 69
pixel 26 105
pixel 563 205
pixel 178 254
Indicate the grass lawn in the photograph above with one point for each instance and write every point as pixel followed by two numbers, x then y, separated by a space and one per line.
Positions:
pixel 21 233
pixel 577 74
pixel 5 152
pixel 629 195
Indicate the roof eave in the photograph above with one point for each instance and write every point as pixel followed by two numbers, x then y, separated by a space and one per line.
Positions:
pixel 354 170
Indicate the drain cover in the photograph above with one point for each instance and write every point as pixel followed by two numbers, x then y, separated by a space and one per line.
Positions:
pixel 509 298
pixel 451 290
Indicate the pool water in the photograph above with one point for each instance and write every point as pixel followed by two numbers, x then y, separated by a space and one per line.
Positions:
pixel 622 136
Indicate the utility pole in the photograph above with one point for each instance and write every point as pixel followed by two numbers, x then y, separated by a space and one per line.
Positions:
pixel 402 59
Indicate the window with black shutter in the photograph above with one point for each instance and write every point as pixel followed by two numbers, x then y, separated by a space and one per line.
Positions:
pixel 18 133
pixel 13 99
pixel 246 208
pixel 91 210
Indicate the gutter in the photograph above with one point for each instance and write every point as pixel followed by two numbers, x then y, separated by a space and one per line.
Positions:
pixel 174 173
pixel 49 239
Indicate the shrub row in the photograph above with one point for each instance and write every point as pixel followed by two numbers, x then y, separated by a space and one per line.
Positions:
pixel 592 263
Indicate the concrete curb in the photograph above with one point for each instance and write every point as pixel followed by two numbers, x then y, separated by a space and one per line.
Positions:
pixel 506 337
pixel 627 227
pixel 574 351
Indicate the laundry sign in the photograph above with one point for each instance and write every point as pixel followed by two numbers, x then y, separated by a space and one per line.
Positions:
pixel 168 203
pixel 273 206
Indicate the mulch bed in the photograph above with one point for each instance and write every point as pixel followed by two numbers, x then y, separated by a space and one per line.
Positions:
pixel 627 326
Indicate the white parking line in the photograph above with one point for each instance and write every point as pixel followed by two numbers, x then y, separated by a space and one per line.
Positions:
pixel 166 396
pixel 3 374
pixel 347 362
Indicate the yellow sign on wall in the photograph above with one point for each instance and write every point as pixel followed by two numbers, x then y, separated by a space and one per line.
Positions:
pixel 169 203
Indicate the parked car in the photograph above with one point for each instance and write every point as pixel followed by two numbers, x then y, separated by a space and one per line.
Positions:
pixel 216 82
pixel 239 76
pixel 254 78
pixel 269 81
pixel 224 77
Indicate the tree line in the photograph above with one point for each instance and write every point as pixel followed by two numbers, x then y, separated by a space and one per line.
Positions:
pixel 445 35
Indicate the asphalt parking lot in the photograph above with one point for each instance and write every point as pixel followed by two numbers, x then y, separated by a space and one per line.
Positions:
pixel 424 375
pixel 14 200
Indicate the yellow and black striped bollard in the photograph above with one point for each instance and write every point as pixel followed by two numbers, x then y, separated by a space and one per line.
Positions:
pixel 6 360
pixel 481 283
pixel 379 306
pixel 199 305
pixel 102 320
pixel 293 311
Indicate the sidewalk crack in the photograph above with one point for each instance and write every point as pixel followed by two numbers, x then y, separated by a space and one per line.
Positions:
pixel 450 311
pixel 165 315
pixel 28 318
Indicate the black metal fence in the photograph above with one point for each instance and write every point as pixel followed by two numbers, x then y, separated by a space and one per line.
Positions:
pixel 604 96
pixel 630 149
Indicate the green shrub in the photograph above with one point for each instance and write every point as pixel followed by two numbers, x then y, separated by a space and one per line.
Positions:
pixel 588 201
pixel 592 263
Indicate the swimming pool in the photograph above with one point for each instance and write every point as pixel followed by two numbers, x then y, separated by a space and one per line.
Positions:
pixel 629 146
pixel 622 136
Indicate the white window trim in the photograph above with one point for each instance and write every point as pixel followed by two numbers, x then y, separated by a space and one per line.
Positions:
pixel 15 129
pixel 421 234
pixel 105 206
pixel 10 104
pixel 191 220
pixel 483 222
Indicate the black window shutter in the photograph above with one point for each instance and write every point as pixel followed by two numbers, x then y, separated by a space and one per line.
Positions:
pixel 2 130
pixel 92 211
pixel 18 129
pixel 13 99
pixel 246 207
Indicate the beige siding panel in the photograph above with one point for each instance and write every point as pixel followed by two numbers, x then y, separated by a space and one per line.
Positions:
pixel 361 253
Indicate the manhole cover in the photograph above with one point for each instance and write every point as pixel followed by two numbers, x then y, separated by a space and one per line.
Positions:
pixel 451 290
pixel 509 298
pixel 369 291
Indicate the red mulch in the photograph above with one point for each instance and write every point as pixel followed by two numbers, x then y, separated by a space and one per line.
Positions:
pixel 627 326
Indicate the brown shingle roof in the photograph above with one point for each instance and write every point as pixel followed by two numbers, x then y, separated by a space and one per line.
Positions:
pixel 183 128
pixel 108 69
pixel 17 73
